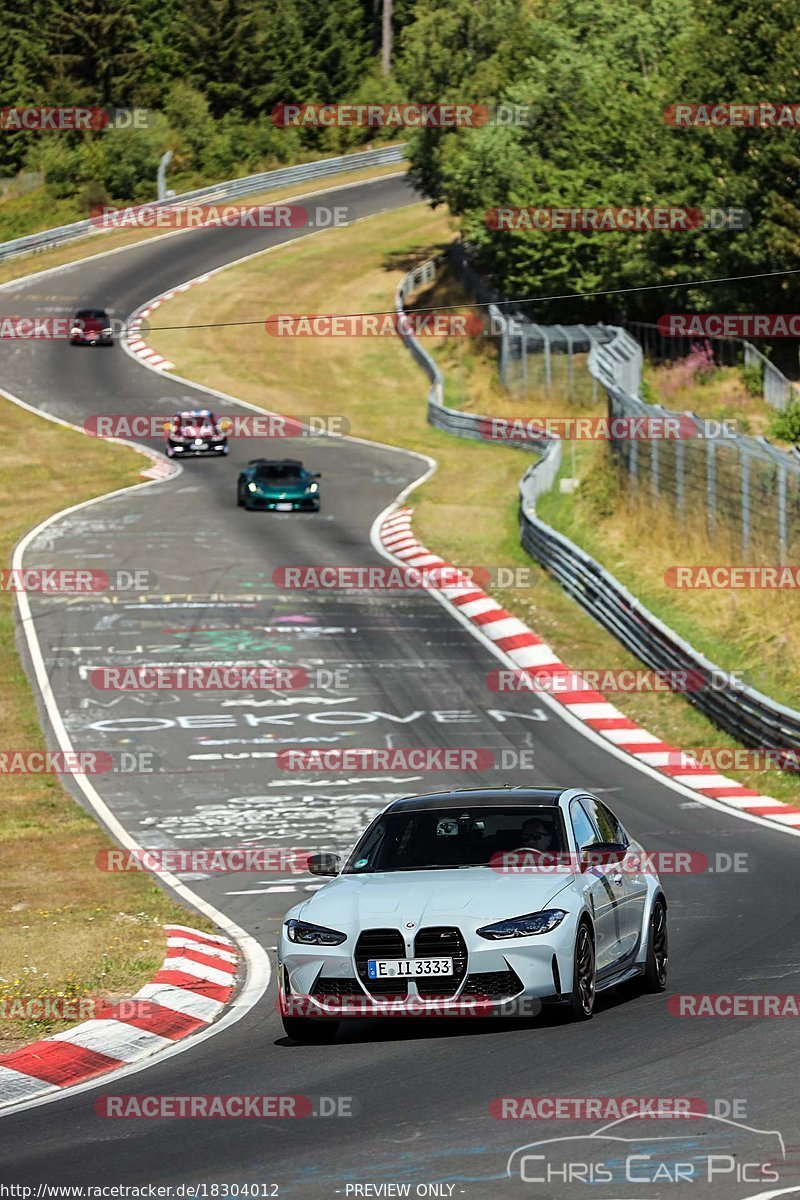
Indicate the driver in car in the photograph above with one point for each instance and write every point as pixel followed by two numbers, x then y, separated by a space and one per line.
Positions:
pixel 536 835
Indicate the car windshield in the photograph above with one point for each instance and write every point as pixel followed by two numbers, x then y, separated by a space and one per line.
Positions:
pixel 454 837
pixel 190 423
pixel 280 473
pixel 91 314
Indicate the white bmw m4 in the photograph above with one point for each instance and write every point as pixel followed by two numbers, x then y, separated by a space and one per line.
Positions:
pixel 474 902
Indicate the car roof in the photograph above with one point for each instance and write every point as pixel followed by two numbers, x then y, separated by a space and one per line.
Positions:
pixel 275 462
pixel 509 797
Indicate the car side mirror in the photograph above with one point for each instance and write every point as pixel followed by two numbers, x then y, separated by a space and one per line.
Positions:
pixel 324 864
pixel 167 426
pixel 317 475
pixel 602 854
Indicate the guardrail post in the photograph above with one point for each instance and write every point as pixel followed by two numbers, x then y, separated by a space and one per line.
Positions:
pixel 546 361
pixel 782 514
pixel 654 465
pixel 711 487
pixel 745 481
pixel 523 357
pixel 570 369
pixel 680 468
pixel 504 353
pixel 161 177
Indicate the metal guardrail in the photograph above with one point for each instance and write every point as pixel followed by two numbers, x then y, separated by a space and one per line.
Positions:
pixel 453 420
pixel 230 190
pixel 748 715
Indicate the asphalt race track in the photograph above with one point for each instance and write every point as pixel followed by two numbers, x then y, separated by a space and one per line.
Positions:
pixel 421 1091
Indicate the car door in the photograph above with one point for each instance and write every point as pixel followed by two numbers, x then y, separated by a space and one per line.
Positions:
pixel 629 879
pixel 603 896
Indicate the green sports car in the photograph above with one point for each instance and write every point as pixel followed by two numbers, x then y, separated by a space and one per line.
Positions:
pixel 283 485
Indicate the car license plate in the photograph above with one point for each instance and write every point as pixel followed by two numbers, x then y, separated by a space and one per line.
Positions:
pixel 283 507
pixel 408 968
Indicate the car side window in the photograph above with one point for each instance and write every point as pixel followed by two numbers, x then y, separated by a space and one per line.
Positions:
pixel 610 828
pixel 586 834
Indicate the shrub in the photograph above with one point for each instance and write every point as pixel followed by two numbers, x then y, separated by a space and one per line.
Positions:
pixel 786 424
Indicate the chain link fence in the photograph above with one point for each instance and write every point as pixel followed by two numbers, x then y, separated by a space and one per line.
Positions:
pixel 742 488
pixel 775 388
pixel 745 490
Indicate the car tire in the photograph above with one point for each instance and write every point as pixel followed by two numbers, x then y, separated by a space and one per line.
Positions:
pixel 240 497
pixel 310 1031
pixel 657 962
pixel 580 1002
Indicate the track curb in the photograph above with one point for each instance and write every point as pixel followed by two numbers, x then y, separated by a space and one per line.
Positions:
pixel 529 652
pixel 193 987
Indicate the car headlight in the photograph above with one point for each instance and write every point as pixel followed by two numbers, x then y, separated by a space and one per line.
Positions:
pixel 312 487
pixel 526 926
pixel 107 332
pixel 313 935
pixel 252 487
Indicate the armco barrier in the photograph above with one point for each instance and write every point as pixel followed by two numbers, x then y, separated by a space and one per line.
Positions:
pixel 229 190
pixel 749 716
pixel 461 424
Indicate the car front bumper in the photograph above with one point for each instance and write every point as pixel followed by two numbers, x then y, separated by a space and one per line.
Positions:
pixel 513 977
pixel 270 504
pixel 207 449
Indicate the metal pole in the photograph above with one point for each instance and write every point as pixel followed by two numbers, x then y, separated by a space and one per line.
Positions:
pixel 711 487
pixel 745 475
pixel 161 178
pixel 782 513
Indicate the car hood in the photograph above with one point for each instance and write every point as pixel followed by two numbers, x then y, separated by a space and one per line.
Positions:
pixel 281 489
pixel 393 898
